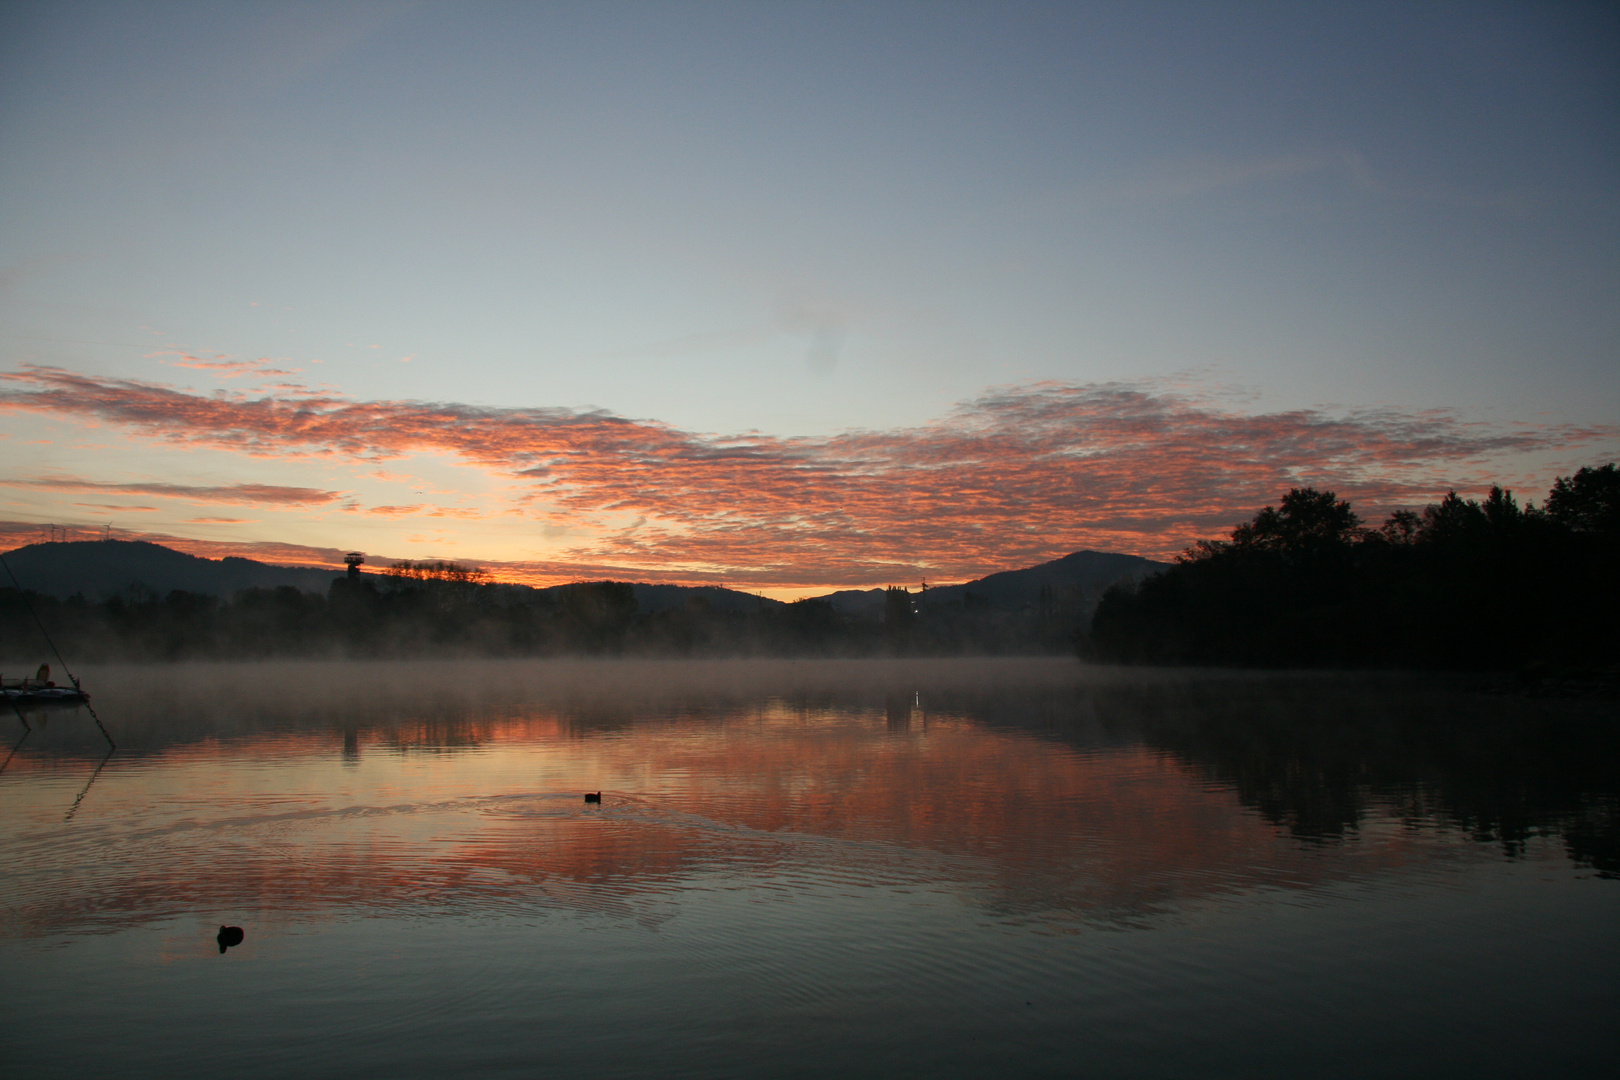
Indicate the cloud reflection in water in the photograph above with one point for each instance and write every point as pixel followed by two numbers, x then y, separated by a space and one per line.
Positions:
pixel 1039 791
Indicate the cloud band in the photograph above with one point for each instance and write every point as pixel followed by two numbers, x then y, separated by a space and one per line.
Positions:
pixel 1014 476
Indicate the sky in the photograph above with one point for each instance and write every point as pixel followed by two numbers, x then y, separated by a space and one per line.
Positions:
pixel 797 296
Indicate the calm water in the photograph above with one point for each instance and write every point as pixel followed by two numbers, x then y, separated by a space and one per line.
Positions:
pixel 859 869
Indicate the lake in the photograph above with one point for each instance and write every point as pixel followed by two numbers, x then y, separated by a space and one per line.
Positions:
pixel 852 868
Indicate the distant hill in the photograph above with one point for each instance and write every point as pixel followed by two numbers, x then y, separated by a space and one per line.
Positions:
pixel 856 603
pixel 655 598
pixel 1077 580
pixel 102 568
pixel 1034 611
pixel 1014 590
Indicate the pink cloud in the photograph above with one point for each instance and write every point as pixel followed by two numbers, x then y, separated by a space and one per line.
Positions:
pixel 267 494
pixel 223 364
pixel 1013 477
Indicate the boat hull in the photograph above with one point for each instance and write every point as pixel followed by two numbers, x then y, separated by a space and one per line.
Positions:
pixel 45 695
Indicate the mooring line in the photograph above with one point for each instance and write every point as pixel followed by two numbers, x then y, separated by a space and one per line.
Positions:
pixel 97 719
pixel 15 584
pixel 75 807
pixel 16 748
pixel 16 709
pixel 74 679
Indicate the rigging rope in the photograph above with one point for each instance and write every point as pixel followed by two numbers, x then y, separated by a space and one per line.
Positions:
pixel 55 651
pixel 24 598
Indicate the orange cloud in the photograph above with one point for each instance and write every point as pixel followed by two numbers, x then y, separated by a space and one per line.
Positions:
pixel 1016 476
pixel 224 365
pixel 269 494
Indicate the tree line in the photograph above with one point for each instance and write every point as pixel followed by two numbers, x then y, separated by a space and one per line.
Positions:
pixel 1463 584
pixel 424 609
pixel 395 614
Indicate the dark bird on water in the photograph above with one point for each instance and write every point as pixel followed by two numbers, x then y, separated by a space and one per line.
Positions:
pixel 228 936
pixel 593 796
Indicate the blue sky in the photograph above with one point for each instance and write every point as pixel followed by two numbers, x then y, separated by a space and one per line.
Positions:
pixel 805 219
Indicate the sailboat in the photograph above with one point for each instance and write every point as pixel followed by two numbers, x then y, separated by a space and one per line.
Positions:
pixel 40 690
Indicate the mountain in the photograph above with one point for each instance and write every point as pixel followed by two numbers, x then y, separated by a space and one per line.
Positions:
pixel 103 568
pixel 651 599
pixel 1077 580
pixel 856 603
pixel 1082 573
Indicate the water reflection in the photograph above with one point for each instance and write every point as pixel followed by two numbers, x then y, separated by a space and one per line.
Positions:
pixel 1039 792
pixel 27 731
pixel 897 709
pixel 1323 757
pixel 88 784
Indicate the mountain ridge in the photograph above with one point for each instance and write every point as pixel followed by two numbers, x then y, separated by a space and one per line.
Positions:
pixel 1080 577
pixel 98 569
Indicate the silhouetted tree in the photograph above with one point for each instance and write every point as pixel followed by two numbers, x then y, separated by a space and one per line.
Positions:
pixel 1306 520
pixel 1463 584
pixel 1588 502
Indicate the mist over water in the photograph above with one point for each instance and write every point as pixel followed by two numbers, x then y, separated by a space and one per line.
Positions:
pixel 953 867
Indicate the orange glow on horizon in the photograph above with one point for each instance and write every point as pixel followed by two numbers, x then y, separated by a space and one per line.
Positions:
pixel 1016 477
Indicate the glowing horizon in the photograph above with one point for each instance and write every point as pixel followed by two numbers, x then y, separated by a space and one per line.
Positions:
pixel 1019 475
